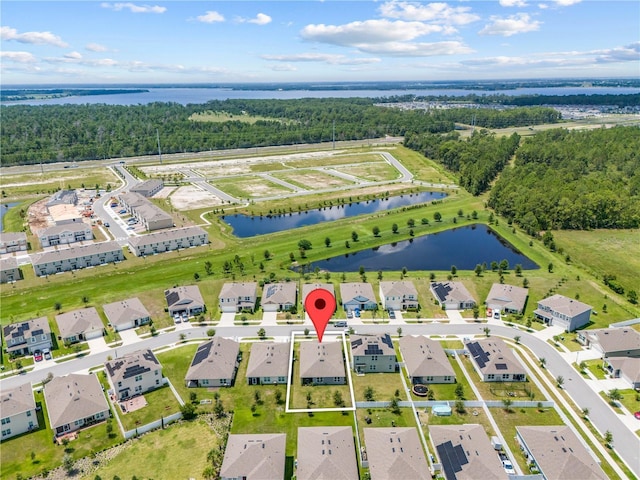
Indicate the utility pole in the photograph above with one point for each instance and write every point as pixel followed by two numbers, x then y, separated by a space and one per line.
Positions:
pixel 334 135
pixel 159 151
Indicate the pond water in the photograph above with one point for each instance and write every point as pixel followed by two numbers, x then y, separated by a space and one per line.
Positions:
pixel 464 247
pixel 250 226
pixel 4 208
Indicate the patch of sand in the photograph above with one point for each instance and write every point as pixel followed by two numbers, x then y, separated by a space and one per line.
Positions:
pixel 191 198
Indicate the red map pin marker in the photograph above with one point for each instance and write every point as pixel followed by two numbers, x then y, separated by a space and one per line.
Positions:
pixel 320 305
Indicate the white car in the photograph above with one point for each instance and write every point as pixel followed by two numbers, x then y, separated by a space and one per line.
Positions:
pixel 176 317
pixel 508 467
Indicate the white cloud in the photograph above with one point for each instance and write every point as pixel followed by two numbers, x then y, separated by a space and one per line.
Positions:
pixel 133 8
pixel 432 12
pixel 95 47
pixel 210 17
pixel 518 23
pixel 321 57
pixel 35 38
pixel 566 3
pixel 406 49
pixel 260 19
pixel 73 55
pixel 627 53
pixel 283 67
pixel 513 3
pixel 18 57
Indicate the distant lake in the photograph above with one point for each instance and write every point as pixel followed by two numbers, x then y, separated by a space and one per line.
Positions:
pixel 250 226
pixel 4 208
pixel 464 247
pixel 198 95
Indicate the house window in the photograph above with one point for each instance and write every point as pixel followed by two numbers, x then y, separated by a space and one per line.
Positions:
pixel 447 379
pixel 491 376
pixel 6 420
pixel 505 376
pixel 6 432
pixel 138 388
pixel 157 382
pixel 429 379
pixel 267 379
pixel 138 378
pixel 28 413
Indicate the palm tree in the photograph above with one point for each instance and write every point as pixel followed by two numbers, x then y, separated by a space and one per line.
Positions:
pixel 614 396
pixel 543 362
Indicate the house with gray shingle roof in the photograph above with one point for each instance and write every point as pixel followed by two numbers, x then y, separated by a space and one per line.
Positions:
pixel 307 288
pixel 278 297
pixel 75 401
pixel 134 374
pixel 9 270
pixel 238 297
pixel 399 295
pixel 148 188
pixel 357 296
pixel 563 311
pixel 214 364
pixel 612 342
pixel 507 298
pixel 254 457
pixel 18 411
pixel 425 360
pixel 13 242
pixel 395 454
pixel 78 325
pixel 558 453
pixel 322 363
pixel 186 299
pixel 373 354
pixel 452 295
pixel 495 361
pixel 65 234
pixel 268 363
pixel 167 241
pixel 326 453
pixel 129 313
pixel 627 368
pixel 24 338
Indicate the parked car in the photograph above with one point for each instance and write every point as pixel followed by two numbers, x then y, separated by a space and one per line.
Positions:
pixel 106 224
pixel 357 313
pixel 349 314
pixel 637 415
pixel 508 467
pixel 185 317
pixel 340 323
pixel 392 314
pixel 176 317
pixel 496 315
pixel 37 356
pixel 47 353
pixel 123 211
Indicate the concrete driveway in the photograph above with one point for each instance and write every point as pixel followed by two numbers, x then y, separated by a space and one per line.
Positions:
pixel 269 318
pixel 226 319
pixel 97 345
pixel 129 336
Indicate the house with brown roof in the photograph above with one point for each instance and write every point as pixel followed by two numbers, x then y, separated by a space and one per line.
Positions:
pixel 399 295
pixel 373 354
pixel 627 368
pixel 134 374
pixel 558 453
pixel 24 338
pixel 507 298
pixel 214 364
pixel 9 270
pixel 495 361
pixel 395 454
pixel 612 342
pixel 18 411
pixel 279 297
pixel 79 325
pixel 186 299
pixel 254 457
pixel 326 453
pixel 75 401
pixel 129 313
pixel 357 296
pixel 307 288
pixel 238 297
pixel 268 363
pixel 322 363
pixel 465 452
pixel 425 360
pixel 563 311
pixel 452 295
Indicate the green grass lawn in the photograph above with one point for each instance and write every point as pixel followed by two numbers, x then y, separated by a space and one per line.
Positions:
pixel 384 385
pixel 383 418
pixel 160 403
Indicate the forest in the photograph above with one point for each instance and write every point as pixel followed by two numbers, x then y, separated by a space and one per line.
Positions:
pixel 565 179
pixel 55 133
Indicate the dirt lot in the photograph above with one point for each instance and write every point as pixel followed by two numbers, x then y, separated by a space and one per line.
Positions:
pixel 191 198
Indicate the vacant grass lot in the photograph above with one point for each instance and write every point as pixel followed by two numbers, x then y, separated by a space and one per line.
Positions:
pixel 27 184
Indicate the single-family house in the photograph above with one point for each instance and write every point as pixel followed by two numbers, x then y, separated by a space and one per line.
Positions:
pixel 558 453
pixel 627 368
pixel 612 342
pixel 373 354
pixel 78 325
pixel 563 311
pixel 465 452
pixel 278 297
pixel 65 234
pixel 507 298
pixel 395 454
pixel 322 363
pixel 494 361
pixel 24 338
pixel 215 364
pixel 307 288
pixel 186 299
pixel 399 295
pixel 148 188
pixel 452 295
pixel 75 258
pixel 357 296
pixel 134 374
pixel 9 270
pixel 18 411
pixel 425 360
pixel 326 453
pixel 75 401
pixel 268 363
pixel 167 241
pixel 13 242
pixel 129 313
pixel 254 457
pixel 238 297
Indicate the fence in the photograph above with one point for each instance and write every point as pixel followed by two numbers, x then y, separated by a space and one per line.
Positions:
pixel 452 404
pixel 153 425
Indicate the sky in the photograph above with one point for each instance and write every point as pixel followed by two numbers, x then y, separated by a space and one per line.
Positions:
pixel 112 42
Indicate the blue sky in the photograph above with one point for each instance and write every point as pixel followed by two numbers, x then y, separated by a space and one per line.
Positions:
pixel 54 42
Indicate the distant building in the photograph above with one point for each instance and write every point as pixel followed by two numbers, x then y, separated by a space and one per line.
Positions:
pixel 399 295
pixel 75 258
pixel 507 298
pixel 322 363
pixel 254 457
pixel 563 311
pixel 148 188
pixel 134 374
pixel 185 299
pixel 557 452
pixel 268 363
pixel 215 364
pixel 167 241
pixel 238 297
pixel 129 313
pixel 18 411
pixel 395 454
pixel 373 354
pixel 494 361
pixel 326 453
pixel 278 297
pixel 148 214
pixel 452 295
pixel 24 338
pixel 65 234
pixel 612 342
pixel 9 270
pixel 357 296
pixel 79 325
pixel 425 361
pixel 13 242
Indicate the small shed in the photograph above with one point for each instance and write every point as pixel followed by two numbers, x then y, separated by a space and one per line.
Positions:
pixel 443 410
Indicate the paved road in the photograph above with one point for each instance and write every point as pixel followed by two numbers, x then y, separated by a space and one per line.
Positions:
pixel 626 443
